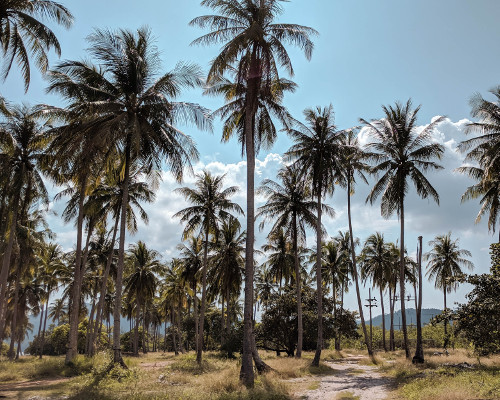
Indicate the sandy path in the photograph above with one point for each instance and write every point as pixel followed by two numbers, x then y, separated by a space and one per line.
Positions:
pixel 350 378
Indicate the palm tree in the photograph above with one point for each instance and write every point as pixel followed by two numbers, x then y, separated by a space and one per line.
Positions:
pixel 23 145
pixel 352 163
pixel 50 263
pixel 376 265
pixel 403 155
pixel 291 209
pixel 210 207
pixel 279 264
pixel 227 265
pixel 253 44
pixel 192 260
pixel 446 260
pixel 22 34
pixel 128 106
pixel 316 151
pixel 57 310
pixel 141 282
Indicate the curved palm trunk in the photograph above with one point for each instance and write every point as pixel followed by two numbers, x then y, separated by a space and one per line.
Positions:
pixel 319 285
pixel 203 300
pixel 75 298
pixel 117 357
pixel 42 343
pixel 355 269
pixel 383 318
pixel 300 327
pixel 4 274
pixel 402 280
pixel 104 287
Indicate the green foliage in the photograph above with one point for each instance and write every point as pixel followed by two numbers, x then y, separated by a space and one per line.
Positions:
pixel 278 329
pixel 478 319
pixel 495 259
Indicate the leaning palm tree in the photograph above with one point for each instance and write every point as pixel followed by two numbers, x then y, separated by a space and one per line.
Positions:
pixel 376 265
pixel 253 44
pixel 22 34
pixel 403 155
pixel 446 260
pixel 316 152
pixel 291 209
pixel 132 108
pixel 210 207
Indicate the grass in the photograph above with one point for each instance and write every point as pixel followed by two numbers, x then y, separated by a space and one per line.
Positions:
pixel 441 377
pixel 346 396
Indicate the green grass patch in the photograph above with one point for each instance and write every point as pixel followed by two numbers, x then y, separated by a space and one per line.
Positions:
pixel 346 396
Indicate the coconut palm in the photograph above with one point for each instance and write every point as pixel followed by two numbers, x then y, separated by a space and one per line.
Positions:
pixel 141 282
pixel 129 106
pixel 316 152
pixel 446 263
pixel 291 209
pixel 376 265
pixel 227 265
pixel 192 261
pixel 210 207
pixel 253 44
pixel 279 264
pixel 24 35
pixel 403 155
pixel 57 310
pixel 23 145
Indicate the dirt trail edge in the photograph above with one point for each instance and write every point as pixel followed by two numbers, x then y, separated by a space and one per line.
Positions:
pixel 350 378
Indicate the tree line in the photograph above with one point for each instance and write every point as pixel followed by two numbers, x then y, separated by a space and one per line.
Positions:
pixel 119 128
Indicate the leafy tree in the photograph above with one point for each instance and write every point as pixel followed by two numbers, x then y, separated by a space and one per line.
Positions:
pixel 253 44
pixel 446 260
pixel 22 34
pixel 403 154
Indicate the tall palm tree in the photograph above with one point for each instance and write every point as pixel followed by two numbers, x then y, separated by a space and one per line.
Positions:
pixel 291 209
pixel 143 264
pixel 376 265
pixel 23 145
pixel 316 153
pixel 253 44
pixel 279 264
pixel 22 34
pixel 403 155
pixel 129 106
pixel 57 310
pixel 210 207
pixel 446 260
pixel 353 163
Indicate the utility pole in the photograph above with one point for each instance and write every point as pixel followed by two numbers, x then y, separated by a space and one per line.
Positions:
pixel 371 300
pixel 419 352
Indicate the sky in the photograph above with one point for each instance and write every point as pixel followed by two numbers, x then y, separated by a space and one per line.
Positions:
pixel 368 54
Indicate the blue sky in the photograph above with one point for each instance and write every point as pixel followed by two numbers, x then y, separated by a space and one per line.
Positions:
pixel 368 53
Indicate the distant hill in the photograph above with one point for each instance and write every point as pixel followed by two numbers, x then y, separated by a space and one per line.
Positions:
pixel 411 317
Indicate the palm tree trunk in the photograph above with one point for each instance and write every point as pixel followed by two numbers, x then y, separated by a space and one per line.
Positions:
pixel 383 317
pixel 334 292
pixel 196 321
pixel 203 297
pixel 179 327
pixel 174 328
pixel 40 324
pixel 144 330
pixel 253 83
pixel 300 326
pixel 42 343
pixel 13 327
pixel 445 345
pixel 341 308
pixel 117 357
pixel 402 279
pixel 136 327
pixel 355 268
pixel 104 287
pixel 91 322
pixel 4 274
pixel 319 283
pixel 75 298
pixel 419 352
pixel 391 312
